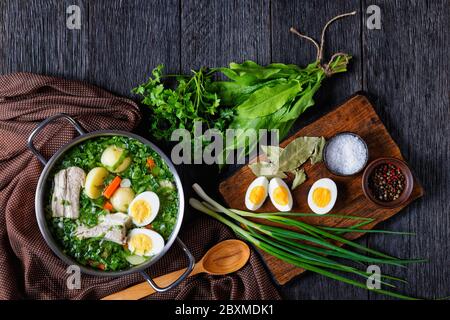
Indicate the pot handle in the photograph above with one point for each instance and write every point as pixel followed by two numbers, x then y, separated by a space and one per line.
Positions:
pixel 42 125
pixel 180 279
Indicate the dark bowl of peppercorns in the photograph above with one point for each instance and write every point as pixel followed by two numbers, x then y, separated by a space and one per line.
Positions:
pixel 387 182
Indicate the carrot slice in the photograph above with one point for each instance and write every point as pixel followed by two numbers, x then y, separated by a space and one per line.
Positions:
pixel 101 266
pixel 112 187
pixel 151 163
pixel 108 206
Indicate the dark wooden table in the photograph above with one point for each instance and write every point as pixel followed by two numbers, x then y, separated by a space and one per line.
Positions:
pixel 404 67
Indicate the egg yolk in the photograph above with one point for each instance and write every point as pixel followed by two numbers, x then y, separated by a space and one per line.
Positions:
pixel 281 196
pixel 140 210
pixel 141 244
pixel 257 194
pixel 321 197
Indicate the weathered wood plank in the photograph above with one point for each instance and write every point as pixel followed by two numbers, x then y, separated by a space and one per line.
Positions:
pixel 407 71
pixel 405 66
pixel 351 199
pixel 309 17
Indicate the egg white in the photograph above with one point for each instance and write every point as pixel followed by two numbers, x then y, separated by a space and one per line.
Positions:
pixel 277 182
pixel 156 239
pixel 152 200
pixel 260 181
pixel 323 183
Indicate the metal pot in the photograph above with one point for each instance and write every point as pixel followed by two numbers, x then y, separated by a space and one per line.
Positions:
pixel 41 196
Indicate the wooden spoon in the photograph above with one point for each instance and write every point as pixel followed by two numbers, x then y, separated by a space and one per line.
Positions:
pixel 225 257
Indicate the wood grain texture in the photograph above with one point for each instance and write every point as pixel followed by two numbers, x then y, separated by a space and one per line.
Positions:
pixel 407 73
pixel 223 258
pixel 26 45
pixel 309 17
pixel 115 47
pixel 358 116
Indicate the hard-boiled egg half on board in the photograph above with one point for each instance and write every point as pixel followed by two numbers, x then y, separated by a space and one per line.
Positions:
pixel 144 208
pixel 256 193
pixel 322 196
pixel 145 242
pixel 280 195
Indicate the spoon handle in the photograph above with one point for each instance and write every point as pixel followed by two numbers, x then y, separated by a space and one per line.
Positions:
pixel 143 289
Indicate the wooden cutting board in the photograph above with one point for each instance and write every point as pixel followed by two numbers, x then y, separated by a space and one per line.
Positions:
pixel 356 115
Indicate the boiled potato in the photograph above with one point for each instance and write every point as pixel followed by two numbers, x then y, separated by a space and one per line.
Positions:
pixel 95 180
pixel 122 198
pixel 111 156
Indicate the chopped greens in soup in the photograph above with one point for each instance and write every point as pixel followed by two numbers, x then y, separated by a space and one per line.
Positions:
pixel 112 204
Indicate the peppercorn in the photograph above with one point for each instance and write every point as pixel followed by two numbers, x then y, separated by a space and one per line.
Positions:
pixel 387 182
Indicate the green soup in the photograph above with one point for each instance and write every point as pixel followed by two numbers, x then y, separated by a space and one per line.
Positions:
pixel 98 252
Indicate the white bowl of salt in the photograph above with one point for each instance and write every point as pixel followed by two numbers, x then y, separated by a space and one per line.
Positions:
pixel 346 154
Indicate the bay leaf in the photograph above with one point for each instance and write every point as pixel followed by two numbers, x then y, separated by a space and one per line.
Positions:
pixel 266 169
pixel 300 177
pixel 317 155
pixel 297 152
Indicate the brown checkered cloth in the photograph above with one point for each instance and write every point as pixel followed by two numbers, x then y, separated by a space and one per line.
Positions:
pixel 28 268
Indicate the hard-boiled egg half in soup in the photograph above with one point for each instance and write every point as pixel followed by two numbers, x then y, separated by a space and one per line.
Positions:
pixel 280 195
pixel 322 196
pixel 256 193
pixel 144 208
pixel 145 242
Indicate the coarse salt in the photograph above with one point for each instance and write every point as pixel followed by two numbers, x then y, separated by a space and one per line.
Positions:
pixel 346 154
